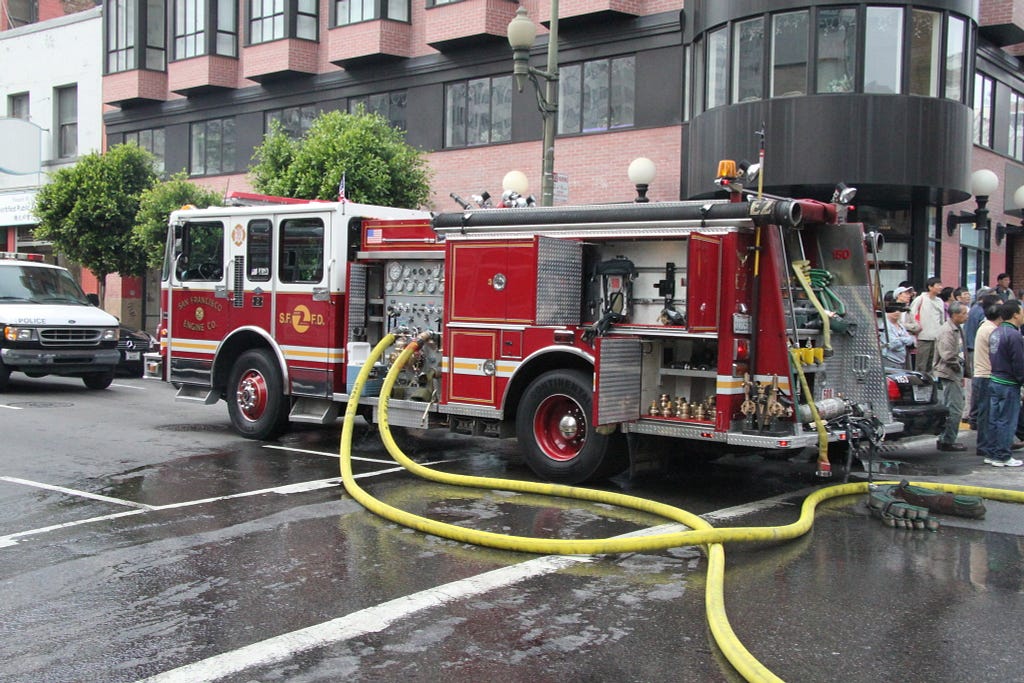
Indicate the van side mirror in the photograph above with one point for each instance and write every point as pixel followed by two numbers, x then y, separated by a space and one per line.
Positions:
pixel 94 299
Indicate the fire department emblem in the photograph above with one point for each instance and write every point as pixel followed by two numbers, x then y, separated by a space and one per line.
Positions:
pixel 200 313
pixel 237 234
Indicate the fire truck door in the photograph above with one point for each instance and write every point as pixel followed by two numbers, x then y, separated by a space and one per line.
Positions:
pixel 198 301
pixel 305 305
pixel 250 268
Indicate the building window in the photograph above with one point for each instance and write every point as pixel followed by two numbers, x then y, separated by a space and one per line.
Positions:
pixel 192 32
pixel 1016 126
pixel 151 140
pixel 21 12
pixel 478 112
pixel 389 105
pixel 925 46
pixel 121 30
pixel 17 106
pixel 276 19
pixel 883 50
pixel 984 94
pixel 266 20
pixel 295 121
pixel 718 69
pixel 354 11
pixel 955 51
pixel 748 60
pixel 836 58
pixel 974 253
pixel 597 95
pixel 213 147
pixel 789 54
pixel 67 121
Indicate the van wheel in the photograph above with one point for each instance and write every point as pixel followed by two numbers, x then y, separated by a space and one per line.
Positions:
pixel 98 380
pixel 255 396
pixel 555 434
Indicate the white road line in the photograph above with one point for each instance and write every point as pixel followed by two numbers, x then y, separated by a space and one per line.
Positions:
pixel 369 620
pixel 129 386
pixel 328 454
pixel 9 407
pixel 373 619
pixel 11 539
pixel 76 492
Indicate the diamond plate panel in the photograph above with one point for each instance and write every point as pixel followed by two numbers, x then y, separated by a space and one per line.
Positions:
pixel 855 369
pixel 618 381
pixel 356 298
pixel 559 281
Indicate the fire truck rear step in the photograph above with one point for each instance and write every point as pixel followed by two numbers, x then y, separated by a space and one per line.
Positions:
pixel 197 394
pixel 319 411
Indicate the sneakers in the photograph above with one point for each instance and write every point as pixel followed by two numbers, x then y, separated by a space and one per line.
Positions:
pixel 1012 462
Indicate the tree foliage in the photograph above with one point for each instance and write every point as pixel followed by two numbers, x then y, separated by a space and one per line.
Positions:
pixel 378 165
pixel 155 207
pixel 88 210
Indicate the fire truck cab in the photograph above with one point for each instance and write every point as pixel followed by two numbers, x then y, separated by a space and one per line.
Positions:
pixel 593 334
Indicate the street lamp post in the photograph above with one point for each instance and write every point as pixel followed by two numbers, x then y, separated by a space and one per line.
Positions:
pixel 521 34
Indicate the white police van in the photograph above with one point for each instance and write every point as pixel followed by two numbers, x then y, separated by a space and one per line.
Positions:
pixel 50 327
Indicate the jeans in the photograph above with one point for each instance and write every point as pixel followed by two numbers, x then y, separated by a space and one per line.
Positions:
pixel 952 398
pixel 979 398
pixel 1003 411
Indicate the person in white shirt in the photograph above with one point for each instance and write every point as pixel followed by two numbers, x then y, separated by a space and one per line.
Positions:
pixel 930 313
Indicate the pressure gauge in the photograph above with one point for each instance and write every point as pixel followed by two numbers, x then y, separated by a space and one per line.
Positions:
pixel 420 287
pixel 432 286
pixel 409 286
pixel 390 286
pixel 394 270
pixel 406 271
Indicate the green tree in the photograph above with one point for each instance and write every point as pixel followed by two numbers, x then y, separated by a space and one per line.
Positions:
pixel 155 207
pixel 88 210
pixel 378 165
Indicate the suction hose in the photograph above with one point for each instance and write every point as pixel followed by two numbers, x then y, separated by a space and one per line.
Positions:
pixel 700 533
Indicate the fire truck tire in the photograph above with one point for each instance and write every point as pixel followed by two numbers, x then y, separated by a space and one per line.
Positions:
pixel 256 402
pixel 554 431
pixel 98 380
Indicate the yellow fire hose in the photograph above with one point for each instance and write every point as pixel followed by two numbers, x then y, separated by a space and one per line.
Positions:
pixel 701 533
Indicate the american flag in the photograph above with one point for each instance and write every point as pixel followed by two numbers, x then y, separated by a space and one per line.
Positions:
pixel 341 188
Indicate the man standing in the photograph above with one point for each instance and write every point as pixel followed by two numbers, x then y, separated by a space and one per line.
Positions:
pixel 1006 351
pixel 976 316
pixel 950 369
pixel 1003 288
pixel 982 371
pixel 930 313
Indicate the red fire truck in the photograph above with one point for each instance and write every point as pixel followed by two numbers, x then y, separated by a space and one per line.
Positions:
pixel 595 335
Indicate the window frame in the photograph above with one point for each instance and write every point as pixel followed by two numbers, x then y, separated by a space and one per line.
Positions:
pixel 383 10
pixel 984 107
pixel 746 58
pixel 501 83
pixel 224 146
pixel 303 112
pixel 774 68
pixel 847 84
pixel 15 21
pixel 65 121
pixel 290 17
pixel 19 100
pixel 394 98
pixel 157 148
pixel 216 37
pixel 899 56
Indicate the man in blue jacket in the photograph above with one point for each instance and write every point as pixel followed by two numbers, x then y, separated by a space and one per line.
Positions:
pixel 1006 352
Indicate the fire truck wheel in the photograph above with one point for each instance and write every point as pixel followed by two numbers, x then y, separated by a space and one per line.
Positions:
pixel 98 380
pixel 255 395
pixel 555 435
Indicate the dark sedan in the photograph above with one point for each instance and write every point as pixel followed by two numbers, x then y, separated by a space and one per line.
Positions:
pixel 914 400
pixel 132 344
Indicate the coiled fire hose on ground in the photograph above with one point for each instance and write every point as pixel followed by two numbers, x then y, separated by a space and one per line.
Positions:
pixel 700 533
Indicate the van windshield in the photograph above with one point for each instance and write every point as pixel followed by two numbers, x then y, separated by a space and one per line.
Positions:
pixel 39 285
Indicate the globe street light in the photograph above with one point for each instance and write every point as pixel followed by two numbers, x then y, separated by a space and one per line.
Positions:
pixel 521 34
pixel 641 174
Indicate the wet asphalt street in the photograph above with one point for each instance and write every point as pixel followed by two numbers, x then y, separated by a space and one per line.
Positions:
pixel 140 538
